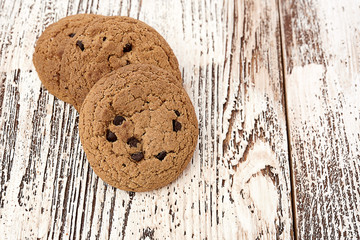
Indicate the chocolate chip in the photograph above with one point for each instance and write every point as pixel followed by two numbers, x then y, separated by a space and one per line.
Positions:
pixel 127 47
pixel 124 165
pixel 104 38
pixel 80 45
pixel 177 113
pixel 71 35
pixel 110 136
pixel 137 156
pixel 127 62
pixel 118 120
pixel 161 155
pixel 132 142
pixel 176 126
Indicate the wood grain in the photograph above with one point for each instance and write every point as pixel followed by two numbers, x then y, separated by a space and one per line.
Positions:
pixel 238 183
pixel 322 56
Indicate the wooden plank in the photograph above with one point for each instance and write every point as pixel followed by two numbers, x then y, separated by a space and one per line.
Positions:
pixel 237 185
pixel 322 57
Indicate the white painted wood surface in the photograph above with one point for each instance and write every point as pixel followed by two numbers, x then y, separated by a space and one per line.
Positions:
pixel 322 78
pixel 238 185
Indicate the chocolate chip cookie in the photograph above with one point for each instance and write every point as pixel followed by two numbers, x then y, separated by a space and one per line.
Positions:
pixel 50 48
pixel 107 44
pixel 138 128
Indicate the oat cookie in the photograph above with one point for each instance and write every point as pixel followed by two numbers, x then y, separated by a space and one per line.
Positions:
pixel 138 128
pixel 50 48
pixel 107 44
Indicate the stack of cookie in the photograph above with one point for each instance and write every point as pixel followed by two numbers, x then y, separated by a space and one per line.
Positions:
pixel 137 124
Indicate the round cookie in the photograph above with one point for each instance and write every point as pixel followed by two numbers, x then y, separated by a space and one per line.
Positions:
pixel 138 128
pixel 50 48
pixel 107 44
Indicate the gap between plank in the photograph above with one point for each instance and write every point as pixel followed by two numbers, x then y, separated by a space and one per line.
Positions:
pixel 292 175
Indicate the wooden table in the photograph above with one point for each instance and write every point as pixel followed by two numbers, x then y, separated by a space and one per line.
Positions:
pixel 276 87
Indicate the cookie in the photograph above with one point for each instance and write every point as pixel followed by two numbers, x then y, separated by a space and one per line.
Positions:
pixel 107 44
pixel 138 128
pixel 50 48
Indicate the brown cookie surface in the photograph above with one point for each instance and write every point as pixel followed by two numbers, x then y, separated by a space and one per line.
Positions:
pixel 107 44
pixel 138 128
pixel 50 48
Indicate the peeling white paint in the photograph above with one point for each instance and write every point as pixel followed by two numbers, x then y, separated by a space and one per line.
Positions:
pixel 65 199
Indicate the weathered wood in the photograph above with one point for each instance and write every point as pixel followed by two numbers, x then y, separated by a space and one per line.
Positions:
pixel 237 185
pixel 322 57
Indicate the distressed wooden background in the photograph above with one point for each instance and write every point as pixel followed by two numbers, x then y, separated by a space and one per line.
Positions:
pixel 276 88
